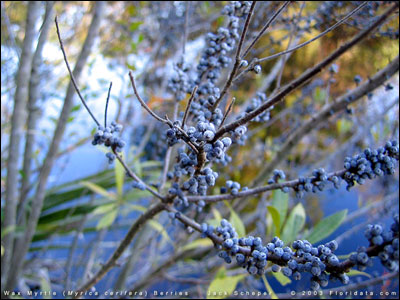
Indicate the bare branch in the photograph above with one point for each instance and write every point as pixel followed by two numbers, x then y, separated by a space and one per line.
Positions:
pixel 144 105
pixel 188 105
pixel 227 112
pixel 135 177
pixel 274 16
pixel 72 75
pixel 108 98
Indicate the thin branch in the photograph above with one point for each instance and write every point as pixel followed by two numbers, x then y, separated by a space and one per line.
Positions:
pixel 227 112
pixel 144 105
pixel 72 75
pixel 237 57
pixel 256 190
pixel 307 75
pixel 188 105
pixel 135 177
pixel 108 98
pixel 275 15
pixel 149 214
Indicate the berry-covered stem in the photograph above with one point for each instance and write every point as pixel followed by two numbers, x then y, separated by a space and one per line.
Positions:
pixel 307 75
pixel 237 58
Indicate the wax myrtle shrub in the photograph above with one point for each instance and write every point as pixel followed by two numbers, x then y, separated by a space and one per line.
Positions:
pixel 232 163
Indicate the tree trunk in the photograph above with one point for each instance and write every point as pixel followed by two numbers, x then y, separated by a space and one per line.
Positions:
pixel 23 243
pixel 17 123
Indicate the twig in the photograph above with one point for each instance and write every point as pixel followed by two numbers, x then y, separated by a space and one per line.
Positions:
pixel 307 75
pixel 135 177
pixel 237 57
pixel 72 75
pixel 108 98
pixel 144 105
pixel 227 112
pixel 275 15
pixel 188 105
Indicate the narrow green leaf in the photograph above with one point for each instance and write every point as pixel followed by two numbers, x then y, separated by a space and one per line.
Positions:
pixel 358 273
pixel 326 226
pixel 280 201
pixel 198 244
pixel 99 190
pixel 102 209
pixel 294 223
pixel 158 227
pixel 119 178
pixel 283 280
pixel 107 219
pixel 269 288
pixel 223 286
pixel 236 221
pixel 276 219
pixel 45 285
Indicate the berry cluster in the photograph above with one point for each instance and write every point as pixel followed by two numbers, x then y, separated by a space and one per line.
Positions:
pixel 303 257
pixel 367 165
pixel 233 187
pixel 371 163
pixel 180 84
pixel 108 137
pixel 389 240
pixel 256 102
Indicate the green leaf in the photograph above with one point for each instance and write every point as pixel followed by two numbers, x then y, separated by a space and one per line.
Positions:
pixel 45 285
pixel 137 207
pixel 280 201
pixel 276 219
pixel 236 221
pixel 326 227
pixel 353 272
pixel 294 223
pixel 76 108
pixel 119 178
pixel 198 244
pixel 217 215
pixel 158 227
pixel 107 219
pixel 223 286
pixel 269 288
pixel 135 25
pixel 99 190
pixel 102 209
pixel 283 280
